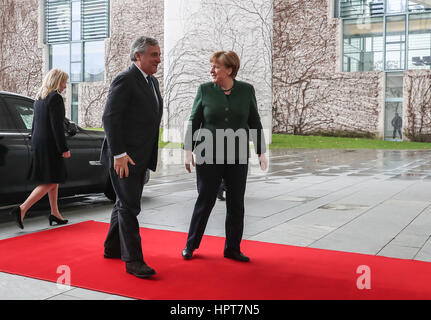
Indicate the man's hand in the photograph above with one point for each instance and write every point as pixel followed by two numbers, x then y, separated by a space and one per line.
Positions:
pixel 66 154
pixel 263 162
pixel 121 166
pixel 189 159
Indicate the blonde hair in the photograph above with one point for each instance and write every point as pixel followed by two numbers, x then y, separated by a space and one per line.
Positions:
pixel 229 59
pixel 51 82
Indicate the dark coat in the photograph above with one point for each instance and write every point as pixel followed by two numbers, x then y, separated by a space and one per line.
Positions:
pixel 48 142
pixel 397 122
pixel 131 120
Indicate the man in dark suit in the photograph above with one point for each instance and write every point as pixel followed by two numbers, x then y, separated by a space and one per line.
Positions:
pixel 131 120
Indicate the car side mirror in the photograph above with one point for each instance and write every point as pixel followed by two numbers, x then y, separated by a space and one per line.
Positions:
pixel 70 127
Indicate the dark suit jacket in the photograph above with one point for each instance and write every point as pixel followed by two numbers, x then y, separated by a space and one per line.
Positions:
pixel 132 119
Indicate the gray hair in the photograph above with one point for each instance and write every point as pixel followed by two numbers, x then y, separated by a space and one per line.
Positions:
pixel 140 45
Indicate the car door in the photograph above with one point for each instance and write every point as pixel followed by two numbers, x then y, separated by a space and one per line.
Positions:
pixel 14 156
pixel 80 173
pixel 82 169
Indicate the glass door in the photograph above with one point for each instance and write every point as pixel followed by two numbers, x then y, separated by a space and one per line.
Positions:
pixel 394 107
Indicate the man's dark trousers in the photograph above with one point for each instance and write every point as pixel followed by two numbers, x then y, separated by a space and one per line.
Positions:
pixel 124 228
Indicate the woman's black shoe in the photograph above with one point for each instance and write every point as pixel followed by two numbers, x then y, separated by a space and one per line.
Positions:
pixel 187 254
pixel 53 218
pixel 16 212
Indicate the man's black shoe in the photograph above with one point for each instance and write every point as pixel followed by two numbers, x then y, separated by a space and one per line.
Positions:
pixel 109 255
pixel 187 254
pixel 236 255
pixel 139 269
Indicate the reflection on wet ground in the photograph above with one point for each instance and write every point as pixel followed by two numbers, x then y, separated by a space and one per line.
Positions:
pixel 396 164
pixel 283 163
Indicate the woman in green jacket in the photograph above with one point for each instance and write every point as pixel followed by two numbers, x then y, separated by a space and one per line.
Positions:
pixel 223 118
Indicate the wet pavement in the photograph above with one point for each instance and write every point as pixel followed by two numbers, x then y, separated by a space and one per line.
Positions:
pixel 366 201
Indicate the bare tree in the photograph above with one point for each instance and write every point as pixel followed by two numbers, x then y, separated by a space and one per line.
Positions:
pixel 303 54
pixel 418 88
pixel 20 56
pixel 242 26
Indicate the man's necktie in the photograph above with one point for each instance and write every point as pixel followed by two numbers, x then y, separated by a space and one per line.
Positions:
pixel 150 83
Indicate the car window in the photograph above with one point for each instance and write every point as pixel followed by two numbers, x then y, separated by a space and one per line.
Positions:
pixel 6 120
pixel 23 109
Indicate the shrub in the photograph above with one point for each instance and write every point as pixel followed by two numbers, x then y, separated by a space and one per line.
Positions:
pixel 343 134
pixel 419 137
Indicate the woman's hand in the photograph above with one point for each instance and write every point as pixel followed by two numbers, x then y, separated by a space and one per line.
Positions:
pixel 263 162
pixel 66 154
pixel 189 159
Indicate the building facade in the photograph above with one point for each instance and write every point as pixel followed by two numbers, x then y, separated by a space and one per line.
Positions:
pixel 352 66
pixel 89 39
pixel 346 67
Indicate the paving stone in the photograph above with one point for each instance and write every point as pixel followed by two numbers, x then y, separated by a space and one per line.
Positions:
pixel 397 251
pixel 372 230
pixel 13 287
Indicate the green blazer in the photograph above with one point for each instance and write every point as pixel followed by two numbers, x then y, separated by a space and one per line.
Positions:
pixel 216 112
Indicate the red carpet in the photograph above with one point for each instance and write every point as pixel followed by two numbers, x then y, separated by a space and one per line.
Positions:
pixel 275 272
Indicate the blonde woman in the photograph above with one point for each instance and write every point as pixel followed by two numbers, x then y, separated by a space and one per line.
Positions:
pixel 49 147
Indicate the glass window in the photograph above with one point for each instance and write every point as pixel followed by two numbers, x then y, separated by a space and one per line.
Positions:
pixel 377 7
pixel 60 57
pixel 74 113
pixel 76 52
pixel 395 42
pixel 94 61
pixel 360 8
pixel 6 120
pixel 419 5
pixel 394 85
pixel 404 44
pixel 76 30
pixel 419 50
pixel 76 11
pixel 81 52
pixel 363 44
pixel 57 21
pixel 24 109
pixel 336 8
pixel 393 120
pixel 75 72
pixel 395 6
pixel 393 106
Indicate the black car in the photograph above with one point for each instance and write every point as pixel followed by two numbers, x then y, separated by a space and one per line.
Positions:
pixel 84 170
